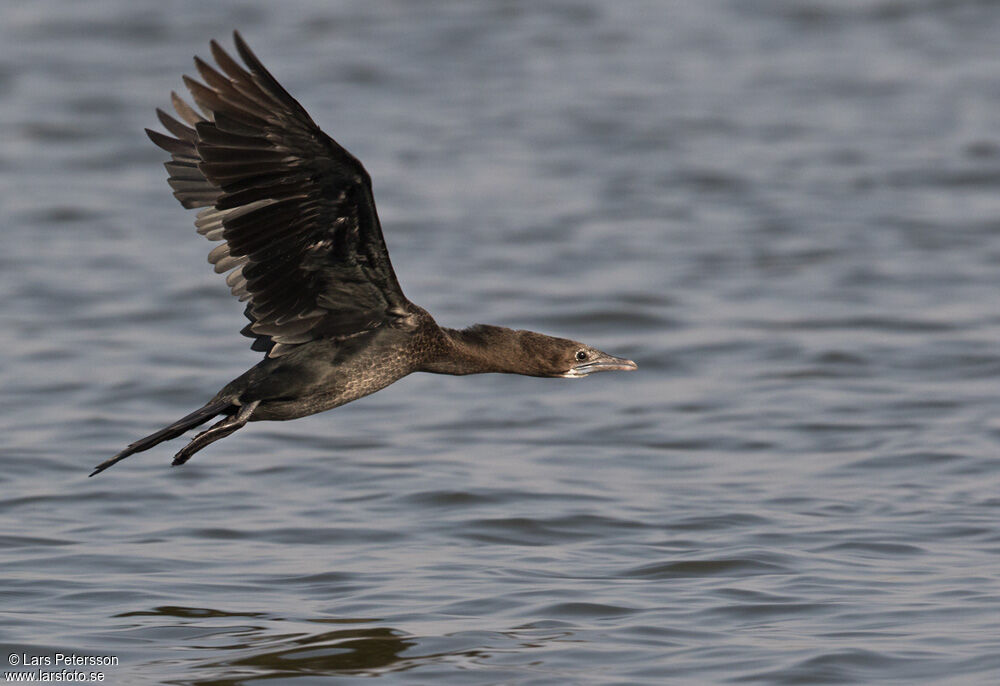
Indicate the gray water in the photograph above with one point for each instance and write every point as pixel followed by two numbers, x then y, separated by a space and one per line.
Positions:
pixel 787 212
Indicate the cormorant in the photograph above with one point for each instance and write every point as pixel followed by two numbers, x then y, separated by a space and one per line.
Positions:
pixel 298 233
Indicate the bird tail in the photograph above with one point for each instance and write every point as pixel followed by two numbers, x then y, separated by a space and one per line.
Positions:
pixel 196 418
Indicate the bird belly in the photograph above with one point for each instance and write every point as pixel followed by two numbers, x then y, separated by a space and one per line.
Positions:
pixel 339 386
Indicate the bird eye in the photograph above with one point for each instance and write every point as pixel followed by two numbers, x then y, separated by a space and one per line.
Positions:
pixel 581 355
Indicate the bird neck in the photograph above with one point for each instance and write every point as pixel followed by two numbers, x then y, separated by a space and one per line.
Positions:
pixel 479 349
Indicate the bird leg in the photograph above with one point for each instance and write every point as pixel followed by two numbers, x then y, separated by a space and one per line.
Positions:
pixel 218 430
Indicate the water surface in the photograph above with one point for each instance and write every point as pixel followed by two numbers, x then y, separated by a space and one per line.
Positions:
pixel 787 212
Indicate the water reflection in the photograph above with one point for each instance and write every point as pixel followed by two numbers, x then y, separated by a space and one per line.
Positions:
pixel 270 647
pixel 345 650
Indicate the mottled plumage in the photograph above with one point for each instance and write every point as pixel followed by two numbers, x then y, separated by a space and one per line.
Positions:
pixel 297 231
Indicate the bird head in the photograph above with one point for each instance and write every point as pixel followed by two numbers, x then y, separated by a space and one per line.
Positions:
pixel 567 359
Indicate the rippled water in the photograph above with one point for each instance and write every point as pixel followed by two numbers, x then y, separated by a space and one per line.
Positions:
pixel 788 212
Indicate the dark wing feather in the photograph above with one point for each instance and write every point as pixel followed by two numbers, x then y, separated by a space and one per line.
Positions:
pixel 293 209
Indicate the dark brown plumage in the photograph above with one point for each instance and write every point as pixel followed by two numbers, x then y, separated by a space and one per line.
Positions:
pixel 298 233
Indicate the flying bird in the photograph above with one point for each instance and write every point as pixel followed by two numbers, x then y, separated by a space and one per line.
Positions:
pixel 295 222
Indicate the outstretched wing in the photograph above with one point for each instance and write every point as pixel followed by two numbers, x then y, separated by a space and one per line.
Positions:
pixel 293 209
